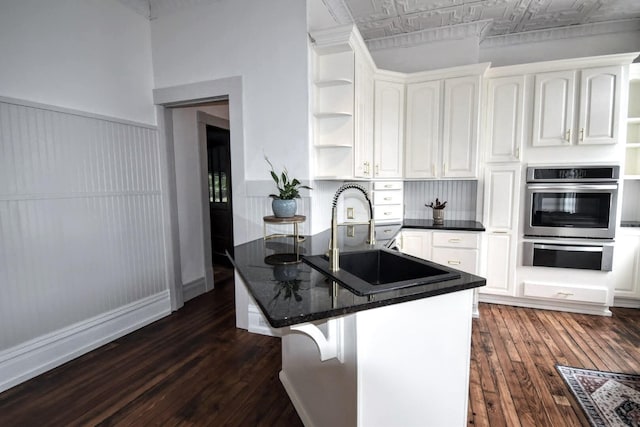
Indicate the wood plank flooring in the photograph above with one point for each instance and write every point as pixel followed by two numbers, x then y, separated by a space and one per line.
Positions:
pixel 513 380
pixel 195 368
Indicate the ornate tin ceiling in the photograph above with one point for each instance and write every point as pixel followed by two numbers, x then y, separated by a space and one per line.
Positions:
pixel 378 20
pixel 397 22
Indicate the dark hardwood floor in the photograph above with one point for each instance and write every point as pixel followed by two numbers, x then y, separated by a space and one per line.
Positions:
pixel 190 368
pixel 195 368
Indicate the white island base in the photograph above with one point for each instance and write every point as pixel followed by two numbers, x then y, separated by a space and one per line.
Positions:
pixel 404 365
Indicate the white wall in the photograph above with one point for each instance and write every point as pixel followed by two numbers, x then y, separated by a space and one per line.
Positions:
pixel 444 54
pixel 577 47
pixel 263 42
pixel 82 231
pixel 428 56
pixel 93 56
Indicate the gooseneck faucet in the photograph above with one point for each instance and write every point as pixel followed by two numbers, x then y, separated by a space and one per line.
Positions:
pixel 334 253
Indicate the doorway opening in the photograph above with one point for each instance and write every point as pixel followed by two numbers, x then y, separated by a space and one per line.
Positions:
pixel 220 194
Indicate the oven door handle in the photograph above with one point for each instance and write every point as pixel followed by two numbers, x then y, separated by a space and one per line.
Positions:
pixel 572 187
pixel 568 248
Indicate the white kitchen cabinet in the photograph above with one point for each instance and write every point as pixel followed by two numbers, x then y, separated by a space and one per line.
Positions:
pixel 364 100
pixel 505 118
pixel 554 120
pixel 416 243
pixel 423 129
pixel 501 202
pixel 388 132
pixel 456 249
pixel 626 268
pixel 460 127
pixel 442 128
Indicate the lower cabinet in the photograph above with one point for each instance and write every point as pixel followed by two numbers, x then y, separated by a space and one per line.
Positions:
pixel 455 249
pixel 626 269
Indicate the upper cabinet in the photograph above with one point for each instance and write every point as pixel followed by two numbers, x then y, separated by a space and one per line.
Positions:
pixel 460 129
pixel 388 129
pixel 442 128
pixel 505 118
pixel 559 119
pixel 364 101
pixel 423 130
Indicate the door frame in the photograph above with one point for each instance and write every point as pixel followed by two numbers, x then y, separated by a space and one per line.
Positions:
pixel 203 120
pixel 190 95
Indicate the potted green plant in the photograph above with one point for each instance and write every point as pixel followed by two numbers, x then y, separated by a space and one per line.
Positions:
pixel 284 203
pixel 438 211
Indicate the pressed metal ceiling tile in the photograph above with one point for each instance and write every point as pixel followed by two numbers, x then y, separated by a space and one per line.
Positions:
pixel 382 18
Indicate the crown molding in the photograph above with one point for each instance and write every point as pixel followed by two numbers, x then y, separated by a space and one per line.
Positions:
pixel 559 33
pixel 339 11
pixel 450 32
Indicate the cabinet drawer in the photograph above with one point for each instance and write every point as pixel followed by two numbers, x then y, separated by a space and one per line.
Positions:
pixel 387 185
pixel 385 233
pixel 594 295
pixel 392 197
pixel 460 259
pixel 385 213
pixel 456 240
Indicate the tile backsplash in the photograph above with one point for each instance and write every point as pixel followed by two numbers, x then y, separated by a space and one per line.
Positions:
pixel 461 197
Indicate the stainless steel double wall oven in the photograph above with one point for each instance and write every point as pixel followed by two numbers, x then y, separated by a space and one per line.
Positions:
pixel 571 216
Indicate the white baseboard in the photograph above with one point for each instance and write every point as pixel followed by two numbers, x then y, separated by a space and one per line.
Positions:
pixel 595 309
pixel 626 302
pixel 193 289
pixel 297 403
pixel 27 360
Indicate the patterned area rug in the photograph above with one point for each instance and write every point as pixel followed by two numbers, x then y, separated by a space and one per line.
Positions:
pixel 608 399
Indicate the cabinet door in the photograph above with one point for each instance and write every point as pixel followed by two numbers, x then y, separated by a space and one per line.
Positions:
pixel 626 266
pixel 363 147
pixel 599 105
pixel 416 243
pixel 554 100
pixel 501 213
pixel 460 127
pixel 423 129
pixel 388 129
pixel 505 118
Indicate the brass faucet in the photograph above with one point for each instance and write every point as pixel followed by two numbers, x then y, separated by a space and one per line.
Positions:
pixel 334 253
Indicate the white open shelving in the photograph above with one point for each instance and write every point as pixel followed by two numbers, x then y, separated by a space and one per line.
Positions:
pixel 333 121
pixel 632 152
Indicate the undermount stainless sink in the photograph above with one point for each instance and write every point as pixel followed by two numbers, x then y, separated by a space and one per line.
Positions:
pixel 379 270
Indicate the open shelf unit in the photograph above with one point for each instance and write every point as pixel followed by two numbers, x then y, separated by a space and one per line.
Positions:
pixel 333 111
pixel 632 147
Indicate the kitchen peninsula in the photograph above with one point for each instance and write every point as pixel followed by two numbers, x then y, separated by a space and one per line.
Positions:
pixel 392 358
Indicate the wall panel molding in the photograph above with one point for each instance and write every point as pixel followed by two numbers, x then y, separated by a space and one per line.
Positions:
pixel 81 222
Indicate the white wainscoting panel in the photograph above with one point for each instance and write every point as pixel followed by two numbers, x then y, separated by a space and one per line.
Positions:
pixel 81 219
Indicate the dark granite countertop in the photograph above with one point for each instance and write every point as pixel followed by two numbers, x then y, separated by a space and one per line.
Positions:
pixel 448 225
pixel 630 224
pixel 289 294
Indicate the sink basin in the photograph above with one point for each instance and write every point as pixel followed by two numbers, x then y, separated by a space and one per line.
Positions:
pixel 379 270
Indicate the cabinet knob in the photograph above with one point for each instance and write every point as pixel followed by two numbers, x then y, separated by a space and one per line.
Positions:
pixel 454 240
pixel 377 169
pixel 387 198
pixel 581 134
pixel 567 135
pixel 454 262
